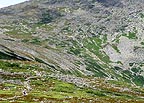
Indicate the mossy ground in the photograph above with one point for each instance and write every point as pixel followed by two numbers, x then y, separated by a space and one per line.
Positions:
pixel 48 89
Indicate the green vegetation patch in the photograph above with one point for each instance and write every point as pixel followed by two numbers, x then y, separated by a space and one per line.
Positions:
pixel 131 35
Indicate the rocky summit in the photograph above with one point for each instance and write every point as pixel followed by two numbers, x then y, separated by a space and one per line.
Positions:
pixel 72 51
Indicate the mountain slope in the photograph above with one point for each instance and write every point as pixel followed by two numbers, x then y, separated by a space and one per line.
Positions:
pixel 82 38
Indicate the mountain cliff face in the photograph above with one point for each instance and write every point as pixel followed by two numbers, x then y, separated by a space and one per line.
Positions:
pixel 74 40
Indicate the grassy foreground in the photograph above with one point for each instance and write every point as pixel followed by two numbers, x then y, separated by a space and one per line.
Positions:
pixel 28 82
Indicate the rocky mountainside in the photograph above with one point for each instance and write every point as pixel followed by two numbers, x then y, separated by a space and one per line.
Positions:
pixel 95 45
